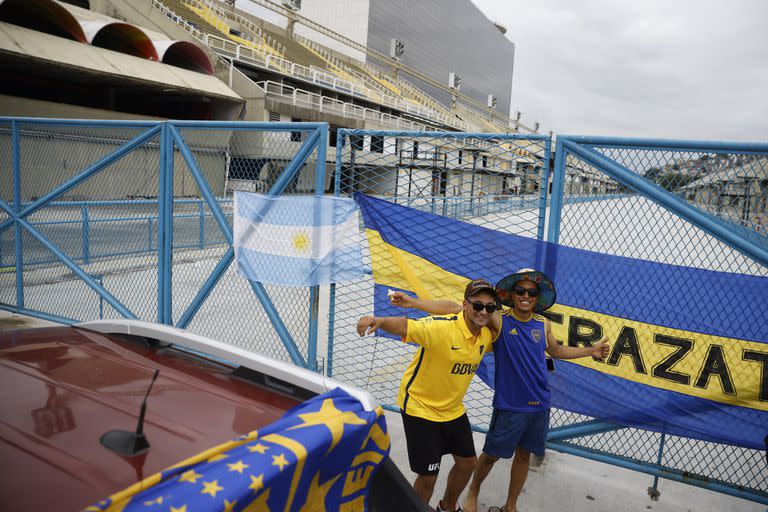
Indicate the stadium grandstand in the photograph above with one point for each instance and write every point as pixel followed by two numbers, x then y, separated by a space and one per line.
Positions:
pixel 366 65
pixel 263 52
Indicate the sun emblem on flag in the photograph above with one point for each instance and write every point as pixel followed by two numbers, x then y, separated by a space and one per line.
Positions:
pixel 301 242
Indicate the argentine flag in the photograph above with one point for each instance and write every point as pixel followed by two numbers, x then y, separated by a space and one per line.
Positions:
pixel 297 240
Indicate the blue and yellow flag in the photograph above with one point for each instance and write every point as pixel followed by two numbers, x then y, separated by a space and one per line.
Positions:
pixel 689 347
pixel 321 455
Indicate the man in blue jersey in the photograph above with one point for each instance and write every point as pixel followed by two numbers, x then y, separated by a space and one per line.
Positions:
pixel 520 421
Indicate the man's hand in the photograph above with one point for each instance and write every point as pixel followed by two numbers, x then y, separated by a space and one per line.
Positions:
pixel 368 324
pixel 401 299
pixel 600 350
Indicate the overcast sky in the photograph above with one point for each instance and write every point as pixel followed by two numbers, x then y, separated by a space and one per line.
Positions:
pixel 679 69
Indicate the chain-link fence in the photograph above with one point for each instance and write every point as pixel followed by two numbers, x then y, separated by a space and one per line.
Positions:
pixel 689 197
pixel 495 181
pixel 500 182
pixel 133 219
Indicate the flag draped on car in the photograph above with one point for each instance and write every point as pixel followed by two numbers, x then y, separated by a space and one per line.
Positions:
pixel 320 456
pixel 685 358
pixel 297 240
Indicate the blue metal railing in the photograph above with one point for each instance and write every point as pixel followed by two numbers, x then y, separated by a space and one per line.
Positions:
pixel 202 233
pixel 84 237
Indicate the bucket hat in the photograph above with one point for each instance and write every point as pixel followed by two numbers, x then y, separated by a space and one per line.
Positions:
pixel 547 297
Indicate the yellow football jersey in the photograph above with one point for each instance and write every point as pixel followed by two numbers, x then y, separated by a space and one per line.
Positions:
pixel 434 385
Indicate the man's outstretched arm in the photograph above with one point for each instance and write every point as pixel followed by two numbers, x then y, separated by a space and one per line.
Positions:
pixel 439 307
pixel 433 307
pixel 598 350
pixel 397 325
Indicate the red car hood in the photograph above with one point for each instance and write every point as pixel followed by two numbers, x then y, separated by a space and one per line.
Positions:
pixel 62 388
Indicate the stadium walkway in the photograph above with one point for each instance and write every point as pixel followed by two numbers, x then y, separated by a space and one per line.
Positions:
pixel 561 483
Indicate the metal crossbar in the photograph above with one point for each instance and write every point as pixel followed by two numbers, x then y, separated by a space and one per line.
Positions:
pixel 653 200
pixel 134 219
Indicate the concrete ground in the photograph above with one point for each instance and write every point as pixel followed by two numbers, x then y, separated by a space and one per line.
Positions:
pixel 566 483
pixel 560 483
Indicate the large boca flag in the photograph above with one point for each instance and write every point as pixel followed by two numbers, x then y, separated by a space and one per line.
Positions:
pixel 689 347
pixel 321 455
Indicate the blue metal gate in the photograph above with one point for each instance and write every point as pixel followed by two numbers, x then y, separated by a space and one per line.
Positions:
pixel 133 219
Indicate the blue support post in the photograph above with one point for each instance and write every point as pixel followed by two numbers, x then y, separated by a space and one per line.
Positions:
pixel 653 491
pixel 556 201
pixel 544 189
pixel 86 234
pixel 16 162
pixel 314 292
pixel 340 138
pixel 167 254
pixel 161 231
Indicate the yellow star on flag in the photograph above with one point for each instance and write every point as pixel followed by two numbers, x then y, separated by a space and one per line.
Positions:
pixel 258 447
pixel 182 508
pixel 211 488
pixel 237 466
pixel 332 418
pixel 190 476
pixel 317 493
pixel 279 460
pixel 257 483
pixel 229 506
pixel 157 501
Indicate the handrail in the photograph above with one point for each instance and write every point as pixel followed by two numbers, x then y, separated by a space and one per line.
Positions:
pixel 301 97
pixel 278 63
pixel 441 115
pixel 373 53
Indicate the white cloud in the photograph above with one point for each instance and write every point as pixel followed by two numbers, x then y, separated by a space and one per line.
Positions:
pixel 660 68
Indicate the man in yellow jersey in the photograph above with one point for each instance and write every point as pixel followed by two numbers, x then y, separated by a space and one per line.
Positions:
pixel 433 387
pixel 521 399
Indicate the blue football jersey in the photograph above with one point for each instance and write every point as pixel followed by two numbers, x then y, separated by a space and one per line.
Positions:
pixel 521 365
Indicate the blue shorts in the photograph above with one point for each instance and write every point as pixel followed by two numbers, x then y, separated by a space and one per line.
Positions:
pixel 510 429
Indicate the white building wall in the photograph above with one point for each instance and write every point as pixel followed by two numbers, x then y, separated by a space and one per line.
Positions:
pixel 262 12
pixel 347 17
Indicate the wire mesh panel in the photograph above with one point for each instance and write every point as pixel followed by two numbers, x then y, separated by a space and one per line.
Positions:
pixel 7 237
pixel 600 213
pixel 95 219
pixel 134 219
pixel 494 181
pixel 231 160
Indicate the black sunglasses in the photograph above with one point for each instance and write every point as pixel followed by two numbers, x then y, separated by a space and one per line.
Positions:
pixel 532 292
pixel 479 306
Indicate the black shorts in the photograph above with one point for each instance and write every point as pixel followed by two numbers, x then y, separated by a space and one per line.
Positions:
pixel 429 440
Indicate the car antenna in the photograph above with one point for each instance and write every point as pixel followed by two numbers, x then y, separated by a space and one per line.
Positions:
pixel 126 442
